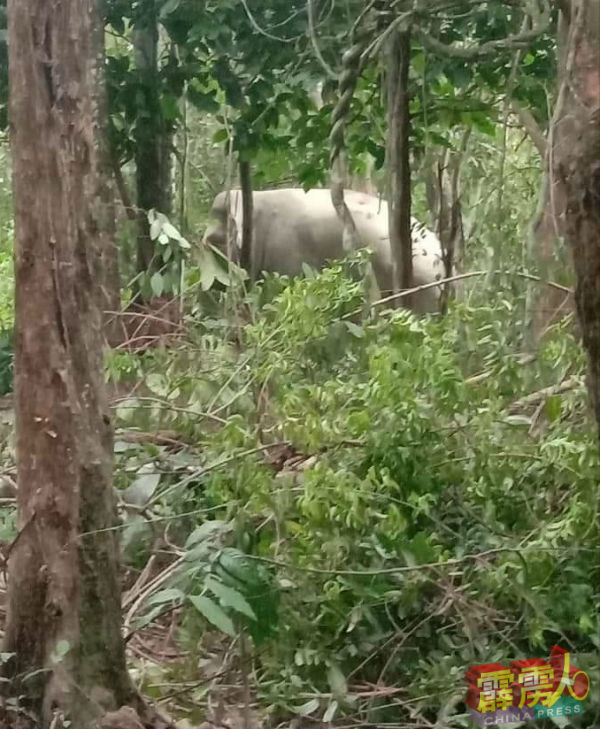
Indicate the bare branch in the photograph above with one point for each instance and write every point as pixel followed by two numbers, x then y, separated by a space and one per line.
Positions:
pixel 460 277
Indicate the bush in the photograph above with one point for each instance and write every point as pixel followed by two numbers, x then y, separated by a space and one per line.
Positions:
pixel 416 513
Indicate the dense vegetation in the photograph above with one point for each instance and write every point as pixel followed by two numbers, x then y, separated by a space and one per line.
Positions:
pixel 329 510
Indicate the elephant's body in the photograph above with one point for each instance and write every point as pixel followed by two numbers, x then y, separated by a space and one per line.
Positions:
pixel 292 227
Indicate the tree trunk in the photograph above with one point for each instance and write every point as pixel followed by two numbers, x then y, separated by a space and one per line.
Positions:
pixel 576 156
pixel 442 181
pixel 153 138
pixel 63 612
pixel 398 161
pixel 247 213
pixel 545 304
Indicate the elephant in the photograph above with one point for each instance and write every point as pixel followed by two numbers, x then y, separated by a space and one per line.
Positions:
pixel 292 227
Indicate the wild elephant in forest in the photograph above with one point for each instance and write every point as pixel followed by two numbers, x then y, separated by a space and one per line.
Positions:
pixel 292 227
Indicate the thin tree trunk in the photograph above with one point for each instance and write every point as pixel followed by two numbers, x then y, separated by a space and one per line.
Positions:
pixel 442 179
pixel 247 213
pixel 398 160
pixel 576 157
pixel 64 611
pixel 183 167
pixel 153 137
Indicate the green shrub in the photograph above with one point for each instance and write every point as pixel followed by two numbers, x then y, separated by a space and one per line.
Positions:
pixel 438 522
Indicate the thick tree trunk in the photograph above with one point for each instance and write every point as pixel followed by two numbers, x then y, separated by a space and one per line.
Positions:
pixel 153 137
pixel 545 304
pixel 398 160
pixel 64 612
pixel 576 156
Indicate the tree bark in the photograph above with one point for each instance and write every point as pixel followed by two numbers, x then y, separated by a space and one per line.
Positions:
pixel 545 304
pixel 576 157
pixel 442 180
pixel 63 611
pixel 247 213
pixel 153 137
pixel 398 160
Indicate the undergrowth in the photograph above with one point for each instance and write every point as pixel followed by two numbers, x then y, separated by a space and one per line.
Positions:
pixel 370 505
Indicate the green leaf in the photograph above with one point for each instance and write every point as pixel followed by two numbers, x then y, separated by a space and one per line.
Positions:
pixel 143 620
pixel 171 231
pixel 208 270
pixel 157 284
pixel 144 486
pixel 155 228
pixel 229 597
pixel 483 124
pixel 553 407
pixel 220 135
pixel 238 568
pixel 213 613
pixel 331 711
pixel 308 272
pixel 204 531
pixel 421 549
pixel 308 708
pixel 355 329
pixel 165 596
pixel 337 681
pixel 168 7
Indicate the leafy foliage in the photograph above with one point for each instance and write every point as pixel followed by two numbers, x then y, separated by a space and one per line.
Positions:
pixel 422 521
pixel 369 501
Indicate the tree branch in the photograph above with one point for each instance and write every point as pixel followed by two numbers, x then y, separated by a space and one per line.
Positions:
pixel 531 126
pixel 540 22
pixel 313 39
